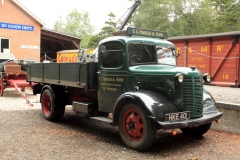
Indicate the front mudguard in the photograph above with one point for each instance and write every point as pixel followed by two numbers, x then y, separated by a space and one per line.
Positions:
pixel 209 105
pixel 210 114
pixel 155 105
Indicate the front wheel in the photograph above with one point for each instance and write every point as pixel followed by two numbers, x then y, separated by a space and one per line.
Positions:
pixel 51 109
pixel 137 131
pixel 196 131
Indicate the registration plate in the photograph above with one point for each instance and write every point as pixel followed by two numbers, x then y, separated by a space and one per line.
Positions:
pixel 177 116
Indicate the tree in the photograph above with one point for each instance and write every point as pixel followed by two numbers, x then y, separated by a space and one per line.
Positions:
pixel 93 41
pixel 192 17
pixel 188 17
pixel 110 26
pixel 106 31
pixel 78 25
pixel 152 15
pixel 228 14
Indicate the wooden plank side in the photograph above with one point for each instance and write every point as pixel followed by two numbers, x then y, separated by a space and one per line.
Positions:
pixel 197 54
pixel 51 71
pixel 36 70
pixel 223 63
pixel 67 74
pixel 217 55
pixel 71 71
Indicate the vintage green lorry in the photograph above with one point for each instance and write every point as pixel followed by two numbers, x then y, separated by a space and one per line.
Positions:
pixel 136 80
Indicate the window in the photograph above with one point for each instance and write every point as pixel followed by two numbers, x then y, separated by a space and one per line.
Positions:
pixel 142 54
pixel 166 55
pixel 4 45
pixel 113 56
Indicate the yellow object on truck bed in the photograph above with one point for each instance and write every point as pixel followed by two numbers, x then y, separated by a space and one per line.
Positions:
pixel 71 55
pixel 67 56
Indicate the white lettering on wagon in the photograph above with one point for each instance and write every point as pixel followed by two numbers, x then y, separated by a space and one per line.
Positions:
pixel 29 47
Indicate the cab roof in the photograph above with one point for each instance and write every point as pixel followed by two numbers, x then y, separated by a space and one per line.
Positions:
pixel 136 39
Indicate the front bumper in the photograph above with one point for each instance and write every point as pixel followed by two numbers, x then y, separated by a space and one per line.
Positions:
pixel 206 118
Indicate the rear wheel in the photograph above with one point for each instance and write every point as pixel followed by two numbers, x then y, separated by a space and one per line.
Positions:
pixel 51 108
pixel 196 131
pixel 1 87
pixel 136 130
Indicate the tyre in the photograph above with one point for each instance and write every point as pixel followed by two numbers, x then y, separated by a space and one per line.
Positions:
pixel 136 130
pixel 52 108
pixel 196 131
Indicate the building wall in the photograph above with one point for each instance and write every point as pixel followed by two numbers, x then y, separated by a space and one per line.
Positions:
pixel 11 13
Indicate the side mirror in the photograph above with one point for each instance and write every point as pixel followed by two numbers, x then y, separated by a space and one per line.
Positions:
pixel 101 49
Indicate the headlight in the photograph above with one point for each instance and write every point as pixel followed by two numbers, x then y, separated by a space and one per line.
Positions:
pixel 206 77
pixel 179 77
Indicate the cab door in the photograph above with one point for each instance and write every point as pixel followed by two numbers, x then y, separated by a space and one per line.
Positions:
pixel 111 75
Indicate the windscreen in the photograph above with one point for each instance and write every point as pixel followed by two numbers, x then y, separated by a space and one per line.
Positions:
pixel 166 55
pixel 151 54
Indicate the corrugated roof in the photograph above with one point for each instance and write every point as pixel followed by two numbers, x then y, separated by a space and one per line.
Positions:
pixel 59 33
pixel 28 12
pixel 50 35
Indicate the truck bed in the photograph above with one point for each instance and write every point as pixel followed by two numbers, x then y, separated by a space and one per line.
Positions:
pixel 80 74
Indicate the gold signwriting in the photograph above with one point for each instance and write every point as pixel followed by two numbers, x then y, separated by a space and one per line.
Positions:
pixel 225 76
pixel 190 50
pixel 199 59
pixel 204 49
pixel 219 48
pixel 202 66
pixel 111 83
pixel 197 66
pixel 191 65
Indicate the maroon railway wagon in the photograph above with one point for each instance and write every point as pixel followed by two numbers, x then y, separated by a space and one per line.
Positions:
pixel 217 54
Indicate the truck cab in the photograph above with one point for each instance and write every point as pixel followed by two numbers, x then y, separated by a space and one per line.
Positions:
pixel 141 68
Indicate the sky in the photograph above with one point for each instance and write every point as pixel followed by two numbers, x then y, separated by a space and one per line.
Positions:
pixel 49 11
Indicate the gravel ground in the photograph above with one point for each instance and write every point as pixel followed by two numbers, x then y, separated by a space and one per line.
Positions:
pixel 24 134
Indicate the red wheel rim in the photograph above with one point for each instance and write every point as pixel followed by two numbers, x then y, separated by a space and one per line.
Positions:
pixel 133 125
pixel 47 105
pixel 1 87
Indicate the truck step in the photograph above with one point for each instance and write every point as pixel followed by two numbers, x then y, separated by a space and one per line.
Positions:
pixel 103 119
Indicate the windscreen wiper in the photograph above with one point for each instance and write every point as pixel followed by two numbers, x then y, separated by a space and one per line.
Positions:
pixel 146 48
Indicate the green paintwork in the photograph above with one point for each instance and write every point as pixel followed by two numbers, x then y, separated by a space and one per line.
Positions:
pixel 124 76
pixel 153 77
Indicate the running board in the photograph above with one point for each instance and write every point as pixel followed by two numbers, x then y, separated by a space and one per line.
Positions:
pixel 103 119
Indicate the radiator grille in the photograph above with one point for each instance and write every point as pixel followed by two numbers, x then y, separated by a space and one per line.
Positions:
pixel 192 96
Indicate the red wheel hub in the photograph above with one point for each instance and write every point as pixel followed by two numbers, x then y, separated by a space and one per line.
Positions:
pixel 133 125
pixel 47 107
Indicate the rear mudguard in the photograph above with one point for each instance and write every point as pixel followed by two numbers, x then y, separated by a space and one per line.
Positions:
pixel 155 105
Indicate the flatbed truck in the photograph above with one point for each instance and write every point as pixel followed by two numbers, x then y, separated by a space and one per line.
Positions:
pixel 136 80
